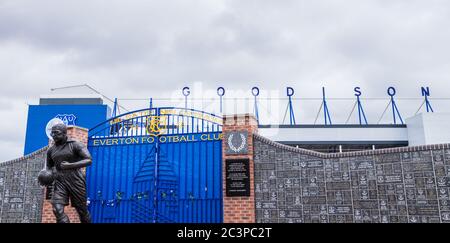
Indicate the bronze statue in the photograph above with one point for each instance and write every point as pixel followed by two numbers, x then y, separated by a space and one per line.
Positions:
pixel 66 158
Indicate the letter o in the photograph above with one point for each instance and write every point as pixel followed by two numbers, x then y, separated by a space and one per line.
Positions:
pixel 391 91
pixel 220 91
pixel 255 91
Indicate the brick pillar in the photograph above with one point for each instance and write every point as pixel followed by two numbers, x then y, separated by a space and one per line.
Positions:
pixel 239 209
pixel 79 134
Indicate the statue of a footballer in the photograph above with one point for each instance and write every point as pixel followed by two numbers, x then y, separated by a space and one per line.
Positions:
pixel 64 162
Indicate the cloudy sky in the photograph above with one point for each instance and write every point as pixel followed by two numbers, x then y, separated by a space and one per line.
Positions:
pixel 149 48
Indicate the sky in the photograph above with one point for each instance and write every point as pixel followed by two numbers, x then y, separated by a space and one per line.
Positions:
pixel 131 49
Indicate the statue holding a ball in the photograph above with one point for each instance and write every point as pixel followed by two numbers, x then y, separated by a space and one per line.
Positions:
pixel 65 159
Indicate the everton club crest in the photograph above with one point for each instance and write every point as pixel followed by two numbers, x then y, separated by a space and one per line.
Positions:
pixel 237 142
pixel 68 119
pixel 156 125
pixel 153 124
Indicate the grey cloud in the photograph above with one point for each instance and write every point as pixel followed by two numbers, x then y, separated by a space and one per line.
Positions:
pixel 154 48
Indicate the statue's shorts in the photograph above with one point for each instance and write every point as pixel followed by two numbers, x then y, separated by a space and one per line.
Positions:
pixel 71 185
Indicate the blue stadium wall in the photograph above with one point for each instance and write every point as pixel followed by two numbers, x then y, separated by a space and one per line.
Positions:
pixel 38 116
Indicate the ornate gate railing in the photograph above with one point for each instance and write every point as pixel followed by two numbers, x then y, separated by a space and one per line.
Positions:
pixel 156 165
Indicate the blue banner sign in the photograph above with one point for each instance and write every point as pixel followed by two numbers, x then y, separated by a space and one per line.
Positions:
pixel 179 138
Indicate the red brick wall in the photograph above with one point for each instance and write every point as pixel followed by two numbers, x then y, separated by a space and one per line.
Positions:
pixel 239 209
pixel 80 134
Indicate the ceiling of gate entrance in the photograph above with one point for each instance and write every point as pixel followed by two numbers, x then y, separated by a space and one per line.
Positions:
pixel 141 49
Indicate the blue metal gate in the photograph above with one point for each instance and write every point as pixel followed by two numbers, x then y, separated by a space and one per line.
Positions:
pixel 156 165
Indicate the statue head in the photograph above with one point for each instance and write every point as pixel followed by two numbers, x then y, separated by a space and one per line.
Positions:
pixel 59 133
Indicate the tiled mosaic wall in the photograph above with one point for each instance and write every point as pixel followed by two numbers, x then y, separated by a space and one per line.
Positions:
pixel 409 184
pixel 21 197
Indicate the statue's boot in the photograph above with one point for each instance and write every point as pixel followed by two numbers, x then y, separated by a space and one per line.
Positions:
pixel 63 219
pixel 58 211
pixel 85 217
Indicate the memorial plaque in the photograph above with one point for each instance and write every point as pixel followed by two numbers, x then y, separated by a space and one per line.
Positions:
pixel 389 179
pixel 388 158
pixel 315 164
pixel 338 186
pixel 237 172
pixel 269 205
pixel 266 166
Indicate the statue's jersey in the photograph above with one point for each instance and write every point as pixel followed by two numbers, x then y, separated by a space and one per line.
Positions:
pixel 71 151
pixel 69 183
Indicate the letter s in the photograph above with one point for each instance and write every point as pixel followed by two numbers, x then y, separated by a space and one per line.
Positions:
pixel 357 91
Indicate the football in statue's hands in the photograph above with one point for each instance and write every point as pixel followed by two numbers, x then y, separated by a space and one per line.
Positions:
pixel 45 177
